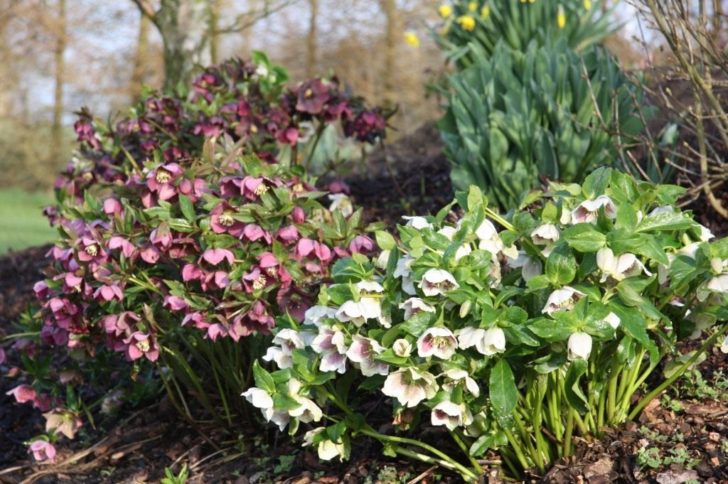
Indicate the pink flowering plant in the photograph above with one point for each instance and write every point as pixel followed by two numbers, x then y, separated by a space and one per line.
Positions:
pixel 182 237
pixel 508 333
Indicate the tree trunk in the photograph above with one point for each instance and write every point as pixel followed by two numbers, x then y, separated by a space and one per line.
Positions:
pixel 140 59
pixel 389 8
pixel 60 49
pixel 311 40
pixel 184 26
pixel 215 8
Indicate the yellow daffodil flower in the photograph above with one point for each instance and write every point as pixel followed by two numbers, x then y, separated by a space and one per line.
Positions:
pixel 411 39
pixel 587 5
pixel 473 6
pixel 561 18
pixel 466 22
pixel 445 10
pixel 485 11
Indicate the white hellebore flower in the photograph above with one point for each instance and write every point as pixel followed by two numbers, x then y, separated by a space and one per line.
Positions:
pixel 327 449
pixel 437 282
pixel 410 386
pixel 719 284
pixel 455 376
pixel 286 340
pixel 306 411
pixel 449 232
pixel 529 266
pixel 588 210
pixel 418 223
pixel 451 415
pixel 316 314
pixel 488 342
pixel 341 203
pixel 403 271
pixel 724 345
pixel 562 299
pixel 359 311
pixel 619 267
pixel 489 238
pixel 580 346
pixel 369 287
pixel 415 305
pixel 259 398
pixel 363 351
pixel 382 259
pixel 331 345
pixel 402 348
pixel 439 342
pixel 613 320
pixel 545 234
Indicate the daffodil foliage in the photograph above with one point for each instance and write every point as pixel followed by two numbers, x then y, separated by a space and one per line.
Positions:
pixel 469 25
pixel 509 334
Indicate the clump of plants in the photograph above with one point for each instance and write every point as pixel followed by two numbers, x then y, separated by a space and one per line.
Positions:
pixel 515 118
pixel 514 333
pixel 182 236
pixel 471 26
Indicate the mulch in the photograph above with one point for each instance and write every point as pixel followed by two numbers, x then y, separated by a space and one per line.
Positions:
pixel 688 435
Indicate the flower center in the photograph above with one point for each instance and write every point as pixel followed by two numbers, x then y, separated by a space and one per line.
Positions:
pixel 259 283
pixel 143 346
pixel 260 189
pixel 92 250
pixel 163 176
pixel 440 342
pixel 271 271
pixel 226 219
pixel 308 94
pixel 253 129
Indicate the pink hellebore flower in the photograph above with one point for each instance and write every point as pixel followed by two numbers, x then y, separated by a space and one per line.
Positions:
pixel 118 242
pixel 175 303
pixel 160 181
pixel 150 254
pixel 216 256
pixel 298 215
pixel 588 210
pixel 361 244
pixel 193 189
pixel 108 292
pixel 252 188
pixel 23 393
pixel 222 221
pixel 307 247
pixel 141 345
pixel 112 207
pixel 410 386
pixel 254 232
pixel 43 451
pixel 439 342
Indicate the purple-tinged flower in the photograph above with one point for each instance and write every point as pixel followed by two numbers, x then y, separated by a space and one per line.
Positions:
pixel 161 237
pixel 142 345
pixel 253 188
pixel 109 292
pixel 121 324
pixel 222 220
pixel 456 376
pixel 415 305
pixel 331 345
pixel 451 415
pixel 175 303
pixel 363 352
pixel 439 342
pixel 410 386
pixel 361 245
pixel 161 180
pixel 193 189
pixel 298 215
pixel 150 254
pixel 436 282
pixel 43 451
pixel 62 422
pixel 562 299
pixel 312 96
pixel 588 210
pixel 288 234
pixel 118 242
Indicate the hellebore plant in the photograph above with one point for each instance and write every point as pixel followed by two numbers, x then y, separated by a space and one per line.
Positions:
pixel 182 237
pixel 513 334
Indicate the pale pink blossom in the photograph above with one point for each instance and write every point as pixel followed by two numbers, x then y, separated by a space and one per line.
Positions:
pixel 410 386
pixel 439 342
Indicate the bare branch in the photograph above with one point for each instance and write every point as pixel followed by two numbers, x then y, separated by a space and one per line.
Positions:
pixel 146 9
pixel 246 20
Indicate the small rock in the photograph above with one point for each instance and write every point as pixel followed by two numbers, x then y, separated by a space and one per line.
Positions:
pixel 602 467
pixel 676 477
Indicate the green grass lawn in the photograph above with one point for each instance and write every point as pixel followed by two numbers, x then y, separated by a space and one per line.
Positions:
pixel 21 222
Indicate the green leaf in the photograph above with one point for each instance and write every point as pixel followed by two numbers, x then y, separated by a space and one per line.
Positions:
pixel 188 210
pixel 574 395
pixel 385 241
pixel 502 388
pixel 665 221
pixel 561 266
pixel 584 238
pixel 263 379
pixel 596 182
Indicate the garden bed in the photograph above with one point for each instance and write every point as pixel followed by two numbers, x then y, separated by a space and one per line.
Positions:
pixel 679 438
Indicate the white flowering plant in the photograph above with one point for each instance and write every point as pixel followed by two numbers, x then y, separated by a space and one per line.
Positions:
pixel 512 333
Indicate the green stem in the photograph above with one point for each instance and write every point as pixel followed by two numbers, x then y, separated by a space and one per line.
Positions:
pixel 516 449
pixel 677 374
pixel 612 395
pixel 461 443
pixel 569 432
